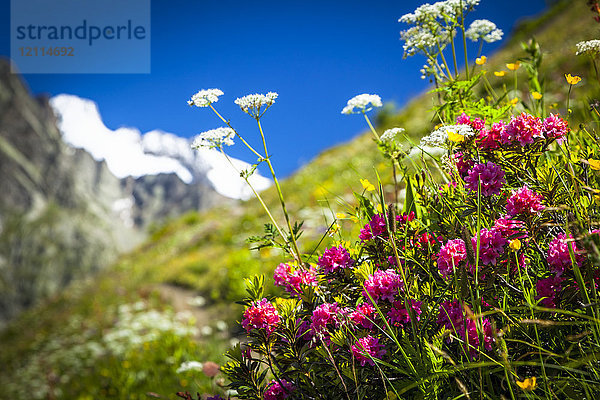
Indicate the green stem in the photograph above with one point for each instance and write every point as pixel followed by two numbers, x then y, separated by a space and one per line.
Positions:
pixel 281 200
pixel 464 38
pixel 371 126
pixel 236 133
pixel 445 62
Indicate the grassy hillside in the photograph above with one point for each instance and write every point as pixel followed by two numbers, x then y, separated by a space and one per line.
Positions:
pixel 206 254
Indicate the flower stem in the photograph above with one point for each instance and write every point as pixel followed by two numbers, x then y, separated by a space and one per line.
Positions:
pixel 371 126
pixel 281 200
pixel 236 133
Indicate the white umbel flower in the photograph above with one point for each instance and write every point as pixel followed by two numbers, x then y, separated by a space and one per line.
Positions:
pixel 363 103
pixel 253 103
pixel 391 135
pixel 205 97
pixel 214 138
pixel 591 47
pixel 484 29
pixel 439 138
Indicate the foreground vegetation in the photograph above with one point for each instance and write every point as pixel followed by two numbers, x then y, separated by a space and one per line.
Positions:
pixel 114 337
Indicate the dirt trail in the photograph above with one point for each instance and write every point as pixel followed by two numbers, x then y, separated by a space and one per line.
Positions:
pixel 180 298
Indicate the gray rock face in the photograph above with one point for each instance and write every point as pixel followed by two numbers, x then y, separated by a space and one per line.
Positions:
pixel 64 215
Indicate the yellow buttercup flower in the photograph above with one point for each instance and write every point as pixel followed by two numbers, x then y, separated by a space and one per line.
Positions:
pixel 515 244
pixel 340 215
pixel 368 186
pixel 536 95
pixel 514 101
pixel 572 79
pixel 528 384
pixel 499 73
pixel 594 164
pixel 513 66
pixel 455 137
pixel 379 209
pixel 481 60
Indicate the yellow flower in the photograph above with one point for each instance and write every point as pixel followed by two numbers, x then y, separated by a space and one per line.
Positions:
pixel 514 101
pixel 368 186
pixel 341 215
pixel 515 244
pixel 499 73
pixel 594 164
pixel 354 219
pixel 513 66
pixel 528 384
pixel 334 229
pixel 572 79
pixel 379 209
pixel 481 60
pixel 455 137
pixel 536 95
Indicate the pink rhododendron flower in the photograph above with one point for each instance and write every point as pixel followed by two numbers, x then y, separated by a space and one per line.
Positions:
pixel 489 175
pixel 292 280
pixel 363 316
pixel 559 258
pixel 260 315
pixel 450 256
pixel 510 228
pixel 463 164
pixel 324 316
pixel 524 128
pixel 452 316
pixel 382 285
pixel 548 290
pixel 491 246
pixel 475 123
pixel 376 227
pixel 399 315
pixel 490 139
pixel 556 127
pixel 524 201
pixel 278 391
pixel 365 347
pixel 335 258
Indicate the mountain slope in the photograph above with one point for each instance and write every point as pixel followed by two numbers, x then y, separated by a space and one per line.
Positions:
pixel 207 251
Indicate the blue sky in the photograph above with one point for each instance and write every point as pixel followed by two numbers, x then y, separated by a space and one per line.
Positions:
pixel 315 54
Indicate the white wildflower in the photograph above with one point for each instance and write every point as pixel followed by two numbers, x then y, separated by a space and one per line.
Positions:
pixel 205 97
pixel 214 138
pixel 439 138
pixel 363 102
pixel 252 103
pixel 197 301
pixel 189 366
pixel 591 47
pixel 391 135
pixel 484 29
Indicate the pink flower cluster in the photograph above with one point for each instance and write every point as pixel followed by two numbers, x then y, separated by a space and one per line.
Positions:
pixel 510 228
pixel 524 129
pixel 475 123
pixel 292 280
pixel 399 315
pixel 453 317
pixel 490 139
pixel 363 316
pixel 376 227
pixel 367 348
pixel 548 289
pixel 556 127
pixel 260 315
pixel 463 164
pixel 383 285
pixel 524 201
pixel 558 257
pixel 450 256
pixel 324 316
pixel 489 175
pixel 491 246
pixel 278 391
pixel 335 258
